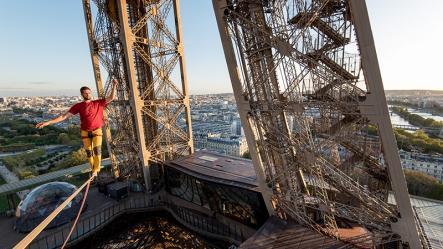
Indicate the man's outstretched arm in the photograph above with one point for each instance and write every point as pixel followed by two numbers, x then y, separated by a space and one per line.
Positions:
pixel 60 118
pixel 111 96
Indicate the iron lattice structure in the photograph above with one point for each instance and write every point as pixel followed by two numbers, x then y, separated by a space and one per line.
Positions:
pixel 308 87
pixel 139 43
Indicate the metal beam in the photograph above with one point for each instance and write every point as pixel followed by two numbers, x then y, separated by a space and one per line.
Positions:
pixel 127 40
pixel 98 81
pixel 242 104
pixel 376 101
pixel 184 79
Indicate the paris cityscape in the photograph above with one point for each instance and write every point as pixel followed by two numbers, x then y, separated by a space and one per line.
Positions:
pixel 217 128
pixel 288 125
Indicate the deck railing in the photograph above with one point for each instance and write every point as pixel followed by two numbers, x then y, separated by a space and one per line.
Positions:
pixel 92 222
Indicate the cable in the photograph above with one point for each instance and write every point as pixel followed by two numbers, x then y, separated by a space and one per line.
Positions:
pixel 78 214
pixel 83 202
pixel 34 233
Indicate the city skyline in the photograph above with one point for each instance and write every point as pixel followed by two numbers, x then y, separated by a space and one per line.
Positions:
pixel 58 61
pixel 306 132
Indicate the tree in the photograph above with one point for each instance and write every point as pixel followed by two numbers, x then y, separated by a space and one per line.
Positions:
pixel 423 185
pixel 416 119
pixel 63 138
pixel 79 156
pixel 75 158
pixel 419 140
pixel 247 155
pixel 372 130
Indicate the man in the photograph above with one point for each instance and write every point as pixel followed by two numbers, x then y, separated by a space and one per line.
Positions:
pixel 91 118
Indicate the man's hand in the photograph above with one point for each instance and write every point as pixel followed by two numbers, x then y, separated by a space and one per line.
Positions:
pixel 55 120
pixel 42 124
pixel 111 96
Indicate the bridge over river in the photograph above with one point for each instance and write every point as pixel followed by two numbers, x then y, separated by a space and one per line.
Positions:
pixel 429 130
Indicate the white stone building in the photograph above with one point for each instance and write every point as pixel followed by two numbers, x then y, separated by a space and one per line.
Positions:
pixel 229 145
pixel 429 164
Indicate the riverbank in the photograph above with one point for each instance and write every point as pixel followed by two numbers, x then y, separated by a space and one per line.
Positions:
pixel 416 119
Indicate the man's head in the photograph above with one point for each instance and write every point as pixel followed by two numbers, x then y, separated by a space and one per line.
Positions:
pixel 86 93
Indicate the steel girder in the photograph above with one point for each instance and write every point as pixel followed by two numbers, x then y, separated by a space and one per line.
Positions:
pixel 312 62
pixel 140 44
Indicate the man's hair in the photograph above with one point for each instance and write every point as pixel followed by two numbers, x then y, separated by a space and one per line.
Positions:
pixel 84 88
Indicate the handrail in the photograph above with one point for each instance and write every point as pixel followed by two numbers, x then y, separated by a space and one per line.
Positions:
pixel 92 222
pixel 34 233
pixel 98 220
pixel 423 235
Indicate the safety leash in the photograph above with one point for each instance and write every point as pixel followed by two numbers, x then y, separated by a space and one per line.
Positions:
pixel 36 231
pixel 78 214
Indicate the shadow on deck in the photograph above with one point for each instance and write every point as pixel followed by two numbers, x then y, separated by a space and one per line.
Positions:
pixel 102 210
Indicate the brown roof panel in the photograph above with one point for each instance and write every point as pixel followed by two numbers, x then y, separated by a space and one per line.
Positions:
pixel 217 168
pixel 281 234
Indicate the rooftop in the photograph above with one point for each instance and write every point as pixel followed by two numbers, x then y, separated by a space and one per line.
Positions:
pixel 218 168
pixel 430 213
pixel 280 234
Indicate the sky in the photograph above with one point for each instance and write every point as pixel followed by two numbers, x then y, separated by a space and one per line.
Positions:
pixel 44 49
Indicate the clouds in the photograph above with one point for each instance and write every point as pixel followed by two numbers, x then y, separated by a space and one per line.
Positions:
pixel 21 92
pixel 21 86
pixel 36 88
pixel 12 88
pixel 39 83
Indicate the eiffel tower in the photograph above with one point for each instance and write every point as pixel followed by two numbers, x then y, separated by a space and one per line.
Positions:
pixel 133 42
pixel 311 61
pixel 314 61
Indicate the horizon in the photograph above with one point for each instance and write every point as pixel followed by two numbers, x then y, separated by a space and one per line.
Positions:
pixel 198 94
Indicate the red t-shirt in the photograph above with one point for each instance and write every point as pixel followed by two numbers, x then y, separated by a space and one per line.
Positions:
pixel 91 114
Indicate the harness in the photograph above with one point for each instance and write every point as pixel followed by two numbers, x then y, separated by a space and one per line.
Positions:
pixel 92 150
pixel 91 135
